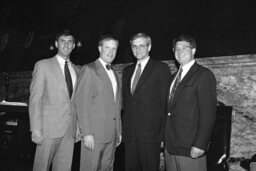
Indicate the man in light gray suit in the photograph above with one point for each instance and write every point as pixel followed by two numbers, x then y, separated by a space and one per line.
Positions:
pixel 51 112
pixel 97 103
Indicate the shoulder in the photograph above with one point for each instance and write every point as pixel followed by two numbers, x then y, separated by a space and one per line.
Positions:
pixel 161 66
pixel 205 72
pixel 128 67
pixel 44 62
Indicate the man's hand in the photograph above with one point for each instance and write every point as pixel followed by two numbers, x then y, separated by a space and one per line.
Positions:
pixel 37 136
pixel 196 152
pixel 119 140
pixel 89 142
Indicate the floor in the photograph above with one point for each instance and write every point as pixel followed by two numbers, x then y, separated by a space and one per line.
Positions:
pixel 12 159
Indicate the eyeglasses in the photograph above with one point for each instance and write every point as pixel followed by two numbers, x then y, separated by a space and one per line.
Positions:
pixel 184 48
pixel 140 47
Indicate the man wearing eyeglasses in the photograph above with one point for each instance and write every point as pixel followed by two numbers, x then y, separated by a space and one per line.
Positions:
pixel 191 110
pixel 145 89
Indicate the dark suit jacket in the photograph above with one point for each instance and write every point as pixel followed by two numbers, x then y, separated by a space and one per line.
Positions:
pixel 144 111
pixel 98 113
pixel 192 112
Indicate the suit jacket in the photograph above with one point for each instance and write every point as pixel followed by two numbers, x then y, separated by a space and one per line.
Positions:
pixel 98 113
pixel 50 107
pixel 144 111
pixel 192 112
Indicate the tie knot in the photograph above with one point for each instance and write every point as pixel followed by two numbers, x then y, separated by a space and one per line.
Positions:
pixel 109 67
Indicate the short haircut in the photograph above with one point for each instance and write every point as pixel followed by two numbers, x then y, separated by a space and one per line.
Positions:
pixel 65 33
pixel 141 35
pixel 107 37
pixel 185 38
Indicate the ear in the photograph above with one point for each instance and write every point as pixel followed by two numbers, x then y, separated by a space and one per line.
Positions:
pixel 56 44
pixel 99 47
pixel 74 45
pixel 149 47
pixel 193 51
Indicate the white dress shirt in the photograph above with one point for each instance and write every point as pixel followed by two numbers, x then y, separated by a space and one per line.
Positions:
pixel 70 67
pixel 143 63
pixel 111 76
pixel 185 70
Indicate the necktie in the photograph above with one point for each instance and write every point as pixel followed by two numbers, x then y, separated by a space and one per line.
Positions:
pixel 136 78
pixel 109 67
pixel 68 79
pixel 175 85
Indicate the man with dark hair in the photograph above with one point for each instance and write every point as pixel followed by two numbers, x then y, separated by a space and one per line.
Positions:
pixel 191 110
pixel 145 89
pixel 52 118
pixel 97 103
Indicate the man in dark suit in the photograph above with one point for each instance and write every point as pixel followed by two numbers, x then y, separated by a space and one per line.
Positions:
pixel 191 110
pixel 52 118
pixel 97 103
pixel 145 90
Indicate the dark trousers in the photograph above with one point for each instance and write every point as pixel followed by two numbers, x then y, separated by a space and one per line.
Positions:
pixel 142 156
pixel 181 163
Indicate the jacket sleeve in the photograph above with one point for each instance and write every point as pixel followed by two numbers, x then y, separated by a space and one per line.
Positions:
pixel 36 97
pixel 82 100
pixel 207 103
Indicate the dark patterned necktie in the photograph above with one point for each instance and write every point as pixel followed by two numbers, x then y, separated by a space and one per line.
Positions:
pixel 109 67
pixel 68 79
pixel 175 85
pixel 136 78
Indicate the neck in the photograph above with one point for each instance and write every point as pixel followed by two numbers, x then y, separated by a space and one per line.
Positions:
pixel 64 57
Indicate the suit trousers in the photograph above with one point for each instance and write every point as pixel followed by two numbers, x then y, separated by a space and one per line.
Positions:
pixel 55 151
pixel 141 156
pixel 182 163
pixel 101 158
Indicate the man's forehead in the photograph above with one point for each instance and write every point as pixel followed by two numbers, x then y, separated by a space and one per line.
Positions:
pixel 182 43
pixel 139 41
pixel 109 43
pixel 63 37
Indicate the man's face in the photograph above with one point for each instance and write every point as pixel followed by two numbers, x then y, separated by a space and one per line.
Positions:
pixel 108 51
pixel 183 52
pixel 140 48
pixel 65 45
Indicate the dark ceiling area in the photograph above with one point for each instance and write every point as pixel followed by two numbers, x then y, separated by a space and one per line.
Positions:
pixel 28 27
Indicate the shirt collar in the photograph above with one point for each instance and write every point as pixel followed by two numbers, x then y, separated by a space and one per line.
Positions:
pixel 61 60
pixel 103 63
pixel 143 62
pixel 186 67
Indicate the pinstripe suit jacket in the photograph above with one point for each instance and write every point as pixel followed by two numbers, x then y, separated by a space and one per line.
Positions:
pixel 50 107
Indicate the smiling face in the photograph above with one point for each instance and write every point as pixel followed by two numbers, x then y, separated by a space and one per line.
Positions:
pixel 65 45
pixel 183 52
pixel 140 48
pixel 108 50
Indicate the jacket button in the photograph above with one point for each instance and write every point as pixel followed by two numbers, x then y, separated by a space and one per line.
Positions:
pixel 114 118
pixel 169 114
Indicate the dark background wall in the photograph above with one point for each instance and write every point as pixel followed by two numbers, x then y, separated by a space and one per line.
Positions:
pixel 28 27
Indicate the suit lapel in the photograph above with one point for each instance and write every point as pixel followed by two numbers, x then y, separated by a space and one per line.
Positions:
pixel 145 75
pixel 117 86
pixel 76 72
pixel 58 73
pixel 185 80
pixel 104 75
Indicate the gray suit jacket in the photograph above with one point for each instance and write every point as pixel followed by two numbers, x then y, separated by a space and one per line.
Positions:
pixel 98 113
pixel 50 108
